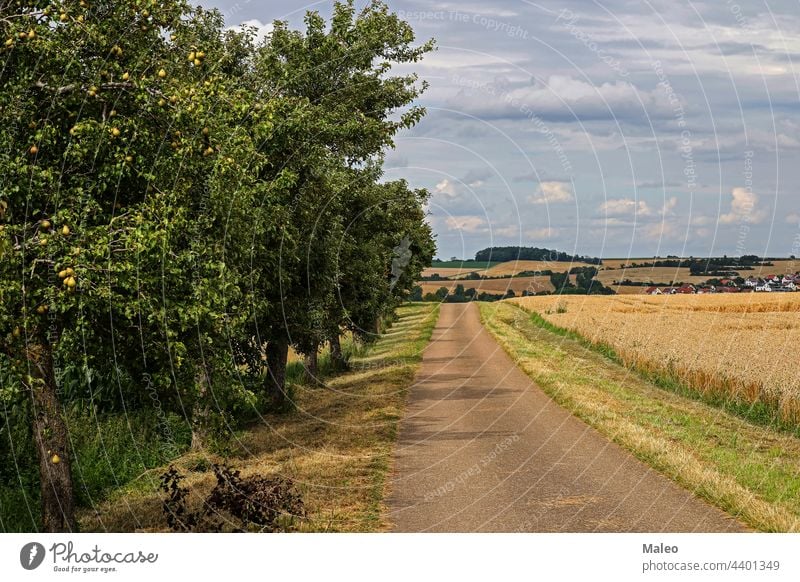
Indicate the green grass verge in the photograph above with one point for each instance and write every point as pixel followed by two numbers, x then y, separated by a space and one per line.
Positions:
pixel 746 469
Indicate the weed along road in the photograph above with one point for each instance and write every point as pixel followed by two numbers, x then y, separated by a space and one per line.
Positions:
pixel 481 448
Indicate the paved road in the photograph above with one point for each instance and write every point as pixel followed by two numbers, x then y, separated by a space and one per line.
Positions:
pixel 483 449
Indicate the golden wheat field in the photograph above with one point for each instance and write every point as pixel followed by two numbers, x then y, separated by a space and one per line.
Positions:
pixel 507 269
pixel 778 267
pixel 448 271
pixel 741 347
pixel 512 268
pixel 657 275
pixel 494 286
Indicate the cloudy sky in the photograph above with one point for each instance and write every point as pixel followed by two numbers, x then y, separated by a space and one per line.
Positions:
pixel 616 128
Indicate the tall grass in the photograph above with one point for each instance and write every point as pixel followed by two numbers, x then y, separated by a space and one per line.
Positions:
pixel 109 450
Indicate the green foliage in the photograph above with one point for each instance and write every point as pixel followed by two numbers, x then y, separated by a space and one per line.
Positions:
pixel 175 198
pixel 110 450
pixel 503 254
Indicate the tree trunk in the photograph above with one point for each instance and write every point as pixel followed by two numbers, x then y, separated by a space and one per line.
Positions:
pixel 52 443
pixel 338 362
pixel 200 413
pixel 311 366
pixel 277 354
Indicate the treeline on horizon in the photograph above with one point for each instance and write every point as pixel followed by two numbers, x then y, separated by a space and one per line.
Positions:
pixel 504 254
pixel 181 204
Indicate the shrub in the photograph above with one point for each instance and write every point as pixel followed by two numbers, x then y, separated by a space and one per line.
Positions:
pixel 266 504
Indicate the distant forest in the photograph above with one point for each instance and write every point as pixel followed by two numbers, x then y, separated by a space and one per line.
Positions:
pixel 503 254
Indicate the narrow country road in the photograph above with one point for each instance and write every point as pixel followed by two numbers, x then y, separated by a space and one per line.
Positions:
pixel 481 448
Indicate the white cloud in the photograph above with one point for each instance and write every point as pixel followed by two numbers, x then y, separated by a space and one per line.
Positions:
pixel 744 208
pixel 542 233
pixel 665 229
pixel 625 207
pixel 564 98
pixel 509 231
pixel 552 193
pixel 701 220
pixel 793 218
pixel 263 30
pixel 669 206
pixel 447 188
pixel 620 207
pixel 469 224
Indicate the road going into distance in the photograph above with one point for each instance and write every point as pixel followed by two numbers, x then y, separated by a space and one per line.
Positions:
pixel 481 448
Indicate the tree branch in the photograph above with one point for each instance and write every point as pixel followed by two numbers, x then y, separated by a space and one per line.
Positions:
pixel 103 87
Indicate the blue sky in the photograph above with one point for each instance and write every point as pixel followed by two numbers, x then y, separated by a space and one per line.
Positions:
pixel 616 129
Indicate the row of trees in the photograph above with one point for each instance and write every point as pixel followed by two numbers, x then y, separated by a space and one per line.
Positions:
pixel 180 204
pixel 503 254
pixel 585 282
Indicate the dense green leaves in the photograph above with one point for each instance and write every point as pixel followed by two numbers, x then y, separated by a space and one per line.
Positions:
pixel 175 201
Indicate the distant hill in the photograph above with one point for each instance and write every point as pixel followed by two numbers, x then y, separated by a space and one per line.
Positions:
pixel 503 254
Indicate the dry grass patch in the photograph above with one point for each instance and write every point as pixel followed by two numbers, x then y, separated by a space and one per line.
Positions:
pixel 336 445
pixel 750 471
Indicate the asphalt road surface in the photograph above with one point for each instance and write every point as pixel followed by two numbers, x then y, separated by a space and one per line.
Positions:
pixel 482 449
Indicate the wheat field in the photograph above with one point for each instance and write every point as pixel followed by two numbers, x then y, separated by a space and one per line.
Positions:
pixel 493 286
pixel 507 269
pixel 739 347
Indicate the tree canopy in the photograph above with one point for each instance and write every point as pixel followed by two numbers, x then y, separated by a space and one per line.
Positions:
pixel 180 204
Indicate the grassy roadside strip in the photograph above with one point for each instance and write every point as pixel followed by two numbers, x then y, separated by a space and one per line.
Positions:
pixel 748 470
pixel 336 445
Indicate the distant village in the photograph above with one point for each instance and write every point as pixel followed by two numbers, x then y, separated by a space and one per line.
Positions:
pixel 768 284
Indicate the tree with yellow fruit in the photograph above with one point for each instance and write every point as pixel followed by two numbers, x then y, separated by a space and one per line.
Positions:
pixel 89 240
pixel 172 207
